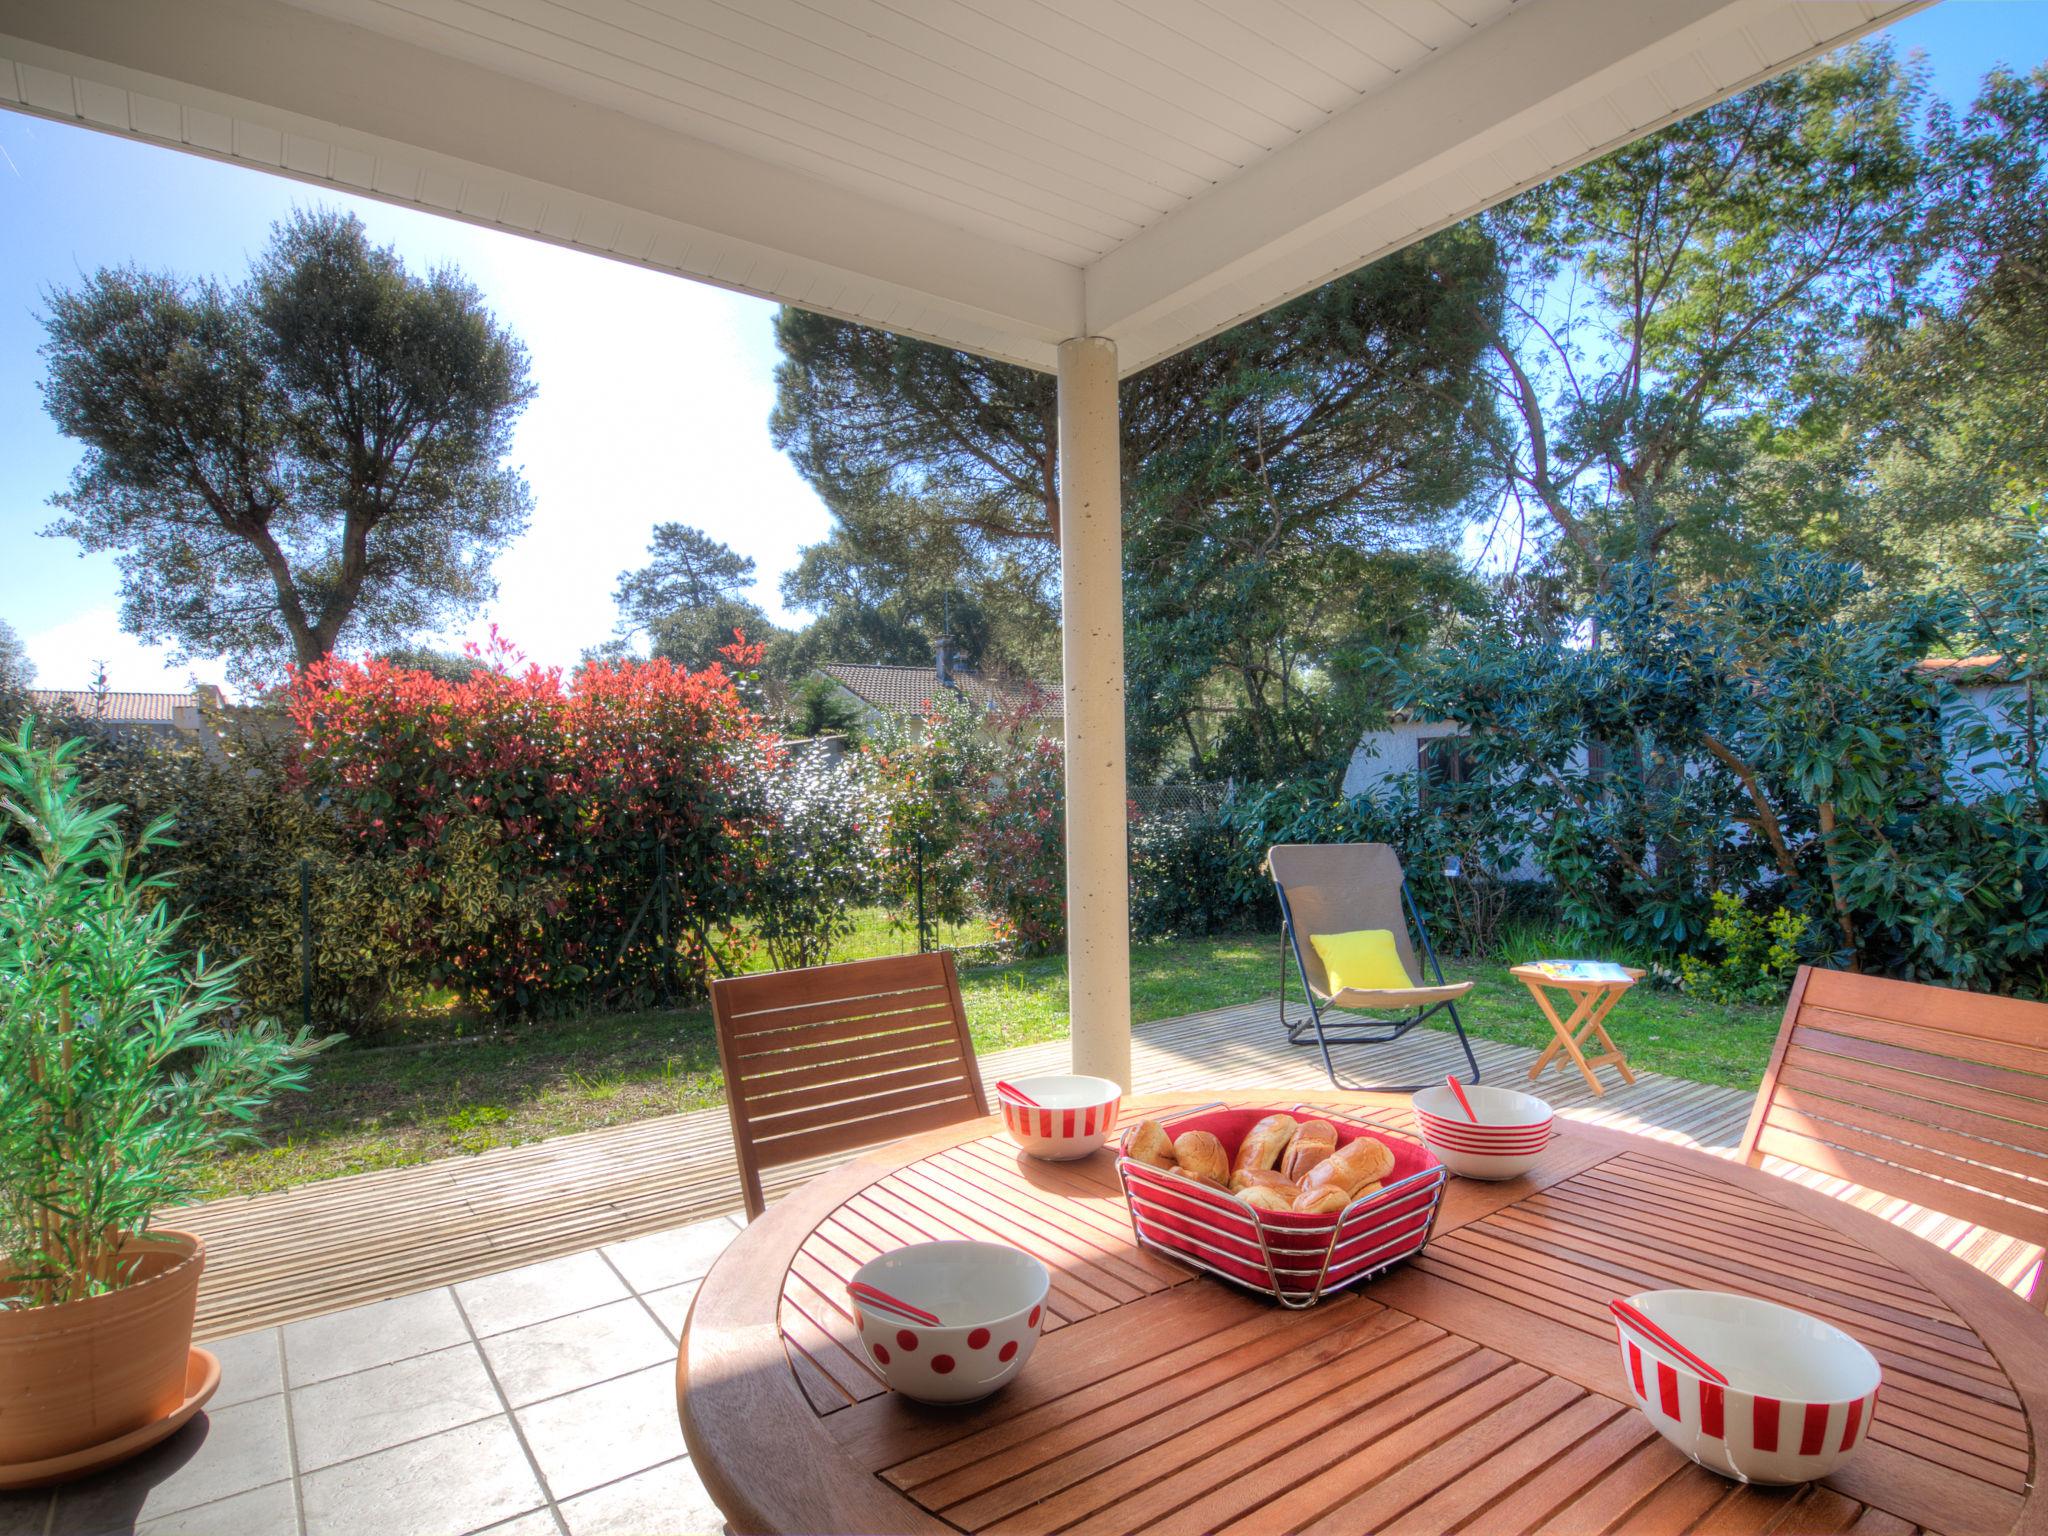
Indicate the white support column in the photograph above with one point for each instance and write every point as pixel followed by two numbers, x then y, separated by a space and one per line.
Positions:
pixel 1092 652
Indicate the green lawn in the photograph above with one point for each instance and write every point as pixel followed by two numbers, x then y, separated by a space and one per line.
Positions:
pixel 392 1105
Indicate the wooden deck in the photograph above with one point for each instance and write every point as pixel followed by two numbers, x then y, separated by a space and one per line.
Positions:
pixel 320 1247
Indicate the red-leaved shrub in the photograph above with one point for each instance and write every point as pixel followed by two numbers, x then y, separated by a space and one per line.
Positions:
pixel 536 812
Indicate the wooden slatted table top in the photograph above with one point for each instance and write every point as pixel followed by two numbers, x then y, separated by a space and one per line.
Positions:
pixel 1474 1388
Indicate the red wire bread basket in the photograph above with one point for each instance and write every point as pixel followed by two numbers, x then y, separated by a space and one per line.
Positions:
pixel 1293 1257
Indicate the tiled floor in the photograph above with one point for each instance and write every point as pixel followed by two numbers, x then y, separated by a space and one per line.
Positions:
pixel 535 1402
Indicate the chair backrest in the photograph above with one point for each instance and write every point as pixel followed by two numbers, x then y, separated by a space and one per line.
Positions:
pixel 834 1057
pixel 1927 1094
pixel 1339 888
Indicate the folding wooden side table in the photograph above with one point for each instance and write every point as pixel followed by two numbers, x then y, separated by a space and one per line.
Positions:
pixel 1591 1002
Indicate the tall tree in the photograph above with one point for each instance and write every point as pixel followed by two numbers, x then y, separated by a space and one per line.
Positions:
pixel 311 456
pixel 689 597
pixel 1674 293
pixel 16 670
pixel 686 568
pixel 1252 463
pixel 898 574
pixel 857 409
pixel 1919 452
pixel 1300 471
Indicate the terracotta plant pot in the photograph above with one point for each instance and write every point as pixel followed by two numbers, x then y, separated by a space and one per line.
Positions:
pixel 86 1372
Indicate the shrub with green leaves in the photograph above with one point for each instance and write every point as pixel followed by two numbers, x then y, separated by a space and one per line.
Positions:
pixel 928 772
pixel 1017 845
pixel 818 861
pixel 1759 953
pixel 1775 737
pixel 244 829
pixel 124 1067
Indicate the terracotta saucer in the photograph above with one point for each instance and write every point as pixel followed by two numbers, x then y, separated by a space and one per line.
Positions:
pixel 202 1376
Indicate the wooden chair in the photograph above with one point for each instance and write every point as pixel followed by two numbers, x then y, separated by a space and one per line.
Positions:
pixel 1926 1094
pixel 836 1057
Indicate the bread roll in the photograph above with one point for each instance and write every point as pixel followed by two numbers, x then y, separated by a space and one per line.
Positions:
pixel 1364 1161
pixel 1264 1142
pixel 1327 1201
pixel 1245 1178
pixel 1263 1197
pixel 1314 1141
pixel 1148 1144
pixel 1202 1179
pixel 1198 1152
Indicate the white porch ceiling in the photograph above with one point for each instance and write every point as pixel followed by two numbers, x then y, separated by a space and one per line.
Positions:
pixel 992 174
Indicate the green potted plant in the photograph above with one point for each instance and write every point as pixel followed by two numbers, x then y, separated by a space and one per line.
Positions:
pixel 123 1070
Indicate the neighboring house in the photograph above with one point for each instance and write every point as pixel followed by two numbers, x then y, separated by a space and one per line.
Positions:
pixel 901 693
pixel 1429 748
pixel 194 718
pixel 1984 689
pixel 170 715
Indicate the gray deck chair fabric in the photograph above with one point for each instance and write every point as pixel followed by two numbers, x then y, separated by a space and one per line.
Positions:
pixel 1339 888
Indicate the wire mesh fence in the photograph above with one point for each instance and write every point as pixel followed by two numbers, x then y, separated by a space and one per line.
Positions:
pixel 1150 801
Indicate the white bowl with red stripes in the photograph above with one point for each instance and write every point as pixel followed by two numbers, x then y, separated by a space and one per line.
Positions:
pixel 989 1299
pixel 1799 1397
pixel 1069 1116
pixel 1505 1141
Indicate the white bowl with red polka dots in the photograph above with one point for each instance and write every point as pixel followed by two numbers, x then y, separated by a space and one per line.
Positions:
pixel 989 1299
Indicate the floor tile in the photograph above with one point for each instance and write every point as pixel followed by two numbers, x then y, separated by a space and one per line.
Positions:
pixel 248 1367
pixel 606 1432
pixel 270 1511
pixel 668 1258
pixel 461 1480
pixel 363 1337
pixel 669 1500
pixel 535 1522
pixel 518 1298
pixel 219 1454
pixel 369 1411
pixel 578 1351
pixel 672 1305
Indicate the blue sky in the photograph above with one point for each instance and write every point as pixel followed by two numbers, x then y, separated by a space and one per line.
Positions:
pixel 654 392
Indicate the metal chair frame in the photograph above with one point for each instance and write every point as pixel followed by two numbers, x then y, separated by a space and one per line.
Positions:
pixel 1369 1031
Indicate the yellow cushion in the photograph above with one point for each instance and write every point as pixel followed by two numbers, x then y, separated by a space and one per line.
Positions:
pixel 1366 959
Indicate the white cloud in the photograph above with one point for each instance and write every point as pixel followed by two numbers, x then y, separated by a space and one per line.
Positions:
pixel 69 654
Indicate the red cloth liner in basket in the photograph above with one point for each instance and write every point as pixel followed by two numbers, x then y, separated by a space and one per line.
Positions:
pixel 1222 1234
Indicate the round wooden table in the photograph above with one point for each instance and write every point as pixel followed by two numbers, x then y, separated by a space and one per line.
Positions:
pixel 1476 1386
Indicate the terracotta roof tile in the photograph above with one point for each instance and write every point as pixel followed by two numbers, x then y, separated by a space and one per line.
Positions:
pixel 122 708
pixel 906 690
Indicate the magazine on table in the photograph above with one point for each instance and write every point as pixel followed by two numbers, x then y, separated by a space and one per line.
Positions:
pixel 1583 970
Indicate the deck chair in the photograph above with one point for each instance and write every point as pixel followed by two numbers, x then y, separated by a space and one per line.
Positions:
pixel 1925 1094
pixel 1337 888
pixel 836 1057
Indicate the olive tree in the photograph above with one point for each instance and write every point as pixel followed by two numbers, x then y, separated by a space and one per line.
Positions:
pixel 312 454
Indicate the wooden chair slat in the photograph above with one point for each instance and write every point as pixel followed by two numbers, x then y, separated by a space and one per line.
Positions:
pixel 762 990
pixel 1956 1105
pixel 1872 1173
pixel 1938 1070
pixel 769 1100
pixel 1927 1094
pixel 1940 1045
pixel 868 1056
pixel 773 1128
pixel 1929 1010
pixel 862 1133
pixel 838 1057
pixel 1917 1139
pixel 882 1010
